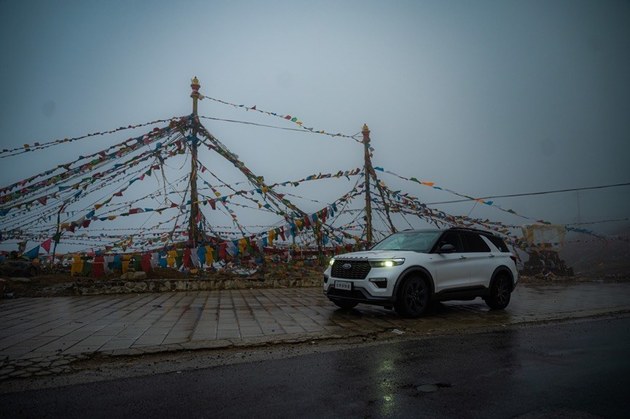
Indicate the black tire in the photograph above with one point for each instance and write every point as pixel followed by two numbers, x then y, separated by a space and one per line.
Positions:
pixel 345 304
pixel 500 293
pixel 413 297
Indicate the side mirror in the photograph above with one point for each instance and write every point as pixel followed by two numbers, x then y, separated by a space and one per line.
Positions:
pixel 447 248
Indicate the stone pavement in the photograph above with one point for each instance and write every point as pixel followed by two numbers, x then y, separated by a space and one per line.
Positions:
pixel 41 336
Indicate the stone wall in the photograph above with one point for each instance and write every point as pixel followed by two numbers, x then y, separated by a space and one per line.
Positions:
pixel 121 286
pixel 138 282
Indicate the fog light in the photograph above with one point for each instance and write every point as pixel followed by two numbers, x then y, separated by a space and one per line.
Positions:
pixel 379 282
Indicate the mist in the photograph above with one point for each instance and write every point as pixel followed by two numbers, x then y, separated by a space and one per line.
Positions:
pixel 486 98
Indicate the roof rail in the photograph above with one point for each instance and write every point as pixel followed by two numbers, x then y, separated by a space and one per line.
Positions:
pixel 476 230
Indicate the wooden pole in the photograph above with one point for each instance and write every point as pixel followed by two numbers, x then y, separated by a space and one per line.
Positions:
pixel 193 234
pixel 57 236
pixel 367 168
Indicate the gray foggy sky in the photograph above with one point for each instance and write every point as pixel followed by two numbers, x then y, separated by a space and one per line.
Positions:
pixel 482 97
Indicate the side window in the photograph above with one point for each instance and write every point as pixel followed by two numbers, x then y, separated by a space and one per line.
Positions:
pixel 451 237
pixel 474 243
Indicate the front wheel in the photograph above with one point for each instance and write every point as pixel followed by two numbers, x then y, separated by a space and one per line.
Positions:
pixel 413 297
pixel 500 292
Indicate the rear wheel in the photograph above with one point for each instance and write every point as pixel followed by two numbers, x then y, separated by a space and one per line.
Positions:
pixel 345 304
pixel 413 297
pixel 500 292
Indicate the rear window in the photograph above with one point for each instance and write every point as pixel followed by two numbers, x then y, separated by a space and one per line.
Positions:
pixel 499 243
pixel 474 243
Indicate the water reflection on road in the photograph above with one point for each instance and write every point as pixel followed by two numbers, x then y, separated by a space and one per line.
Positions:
pixel 397 376
pixel 529 303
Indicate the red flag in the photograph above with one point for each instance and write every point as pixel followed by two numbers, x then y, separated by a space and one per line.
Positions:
pixel 46 245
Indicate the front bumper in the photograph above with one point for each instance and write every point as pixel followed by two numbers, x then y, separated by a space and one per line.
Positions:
pixel 360 295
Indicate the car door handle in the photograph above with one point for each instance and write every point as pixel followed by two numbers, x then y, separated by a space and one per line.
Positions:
pixel 462 257
pixel 490 255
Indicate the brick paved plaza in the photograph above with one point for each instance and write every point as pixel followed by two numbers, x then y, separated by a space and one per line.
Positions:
pixel 44 335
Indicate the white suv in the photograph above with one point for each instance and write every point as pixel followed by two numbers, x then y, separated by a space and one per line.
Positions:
pixel 410 269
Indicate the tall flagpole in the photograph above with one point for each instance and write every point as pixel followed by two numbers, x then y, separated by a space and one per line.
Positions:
pixel 193 233
pixel 367 168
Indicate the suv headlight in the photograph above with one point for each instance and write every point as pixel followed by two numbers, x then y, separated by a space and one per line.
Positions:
pixel 387 263
pixel 331 261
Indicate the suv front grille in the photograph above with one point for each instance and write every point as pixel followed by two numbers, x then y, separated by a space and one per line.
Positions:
pixel 350 269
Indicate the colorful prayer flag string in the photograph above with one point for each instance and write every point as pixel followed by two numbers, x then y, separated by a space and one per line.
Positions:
pixel 286 117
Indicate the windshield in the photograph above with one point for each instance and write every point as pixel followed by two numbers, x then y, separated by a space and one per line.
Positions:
pixel 415 241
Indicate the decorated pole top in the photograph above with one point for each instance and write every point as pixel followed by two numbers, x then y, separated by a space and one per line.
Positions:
pixel 194 85
pixel 366 133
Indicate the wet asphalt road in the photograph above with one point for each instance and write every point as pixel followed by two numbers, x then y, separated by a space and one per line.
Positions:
pixel 576 369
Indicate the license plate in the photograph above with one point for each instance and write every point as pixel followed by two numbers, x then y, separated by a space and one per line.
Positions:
pixel 343 285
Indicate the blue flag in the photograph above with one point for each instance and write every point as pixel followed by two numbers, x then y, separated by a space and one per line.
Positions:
pixel 33 253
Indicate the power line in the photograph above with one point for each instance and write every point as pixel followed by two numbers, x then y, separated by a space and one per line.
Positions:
pixel 615 220
pixel 615 185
